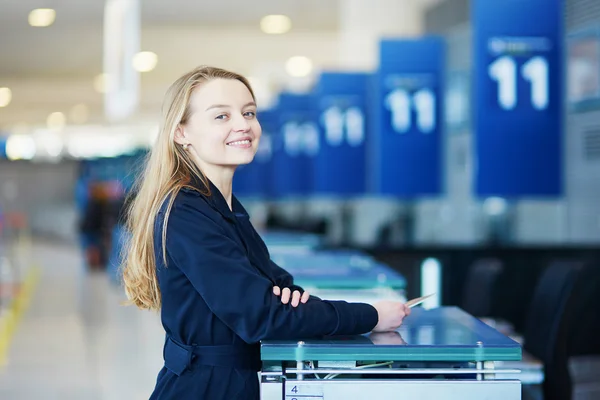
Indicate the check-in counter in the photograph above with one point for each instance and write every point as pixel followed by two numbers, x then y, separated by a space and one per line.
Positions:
pixel 442 353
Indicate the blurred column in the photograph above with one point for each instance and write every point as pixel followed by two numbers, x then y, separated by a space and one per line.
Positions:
pixel 364 22
pixel 373 220
pixel 122 35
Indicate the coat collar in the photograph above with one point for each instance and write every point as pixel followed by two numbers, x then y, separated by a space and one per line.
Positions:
pixel 216 199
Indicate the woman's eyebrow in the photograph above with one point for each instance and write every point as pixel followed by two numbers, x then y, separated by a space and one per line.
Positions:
pixel 227 106
pixel 217 106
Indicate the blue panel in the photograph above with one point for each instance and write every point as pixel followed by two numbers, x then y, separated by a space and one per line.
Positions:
pixel 406 153
pixel 255 179
pixel 518 97
pixel 3 147
pixel 342 103
pixel 295 145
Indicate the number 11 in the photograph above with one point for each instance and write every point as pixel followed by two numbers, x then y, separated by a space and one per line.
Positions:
pixel 535 70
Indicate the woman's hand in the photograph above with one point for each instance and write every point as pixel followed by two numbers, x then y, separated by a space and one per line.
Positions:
pixel 391 314
pixel 286 293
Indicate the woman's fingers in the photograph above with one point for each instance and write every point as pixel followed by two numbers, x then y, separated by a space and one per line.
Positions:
pixel 305 297
pixel 285 295
pixel 295 298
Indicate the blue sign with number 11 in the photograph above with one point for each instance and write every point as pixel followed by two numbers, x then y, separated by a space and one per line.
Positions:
pixel 405 156
pixel 341 101
pixel 518 106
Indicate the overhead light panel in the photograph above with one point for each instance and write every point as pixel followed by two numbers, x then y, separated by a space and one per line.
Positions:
pixel 56 120
pixel 145 61
pixel 102 83
pixel 42 17
pixel 275 24
pixel 5 96
pixel 299 66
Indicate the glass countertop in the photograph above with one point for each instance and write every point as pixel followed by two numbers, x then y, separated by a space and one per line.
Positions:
pixel 441 334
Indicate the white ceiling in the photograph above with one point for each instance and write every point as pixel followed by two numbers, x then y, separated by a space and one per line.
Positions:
pixel 308 13
pixel 73 44
pixel 52 68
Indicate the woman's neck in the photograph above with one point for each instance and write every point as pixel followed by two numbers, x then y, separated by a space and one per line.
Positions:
pixel 222 178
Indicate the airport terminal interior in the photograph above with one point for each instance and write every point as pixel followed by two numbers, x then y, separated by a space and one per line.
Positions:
pixel 440 153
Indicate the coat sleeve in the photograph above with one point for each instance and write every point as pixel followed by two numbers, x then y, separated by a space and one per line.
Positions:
pixel 283 278
pixel 240 296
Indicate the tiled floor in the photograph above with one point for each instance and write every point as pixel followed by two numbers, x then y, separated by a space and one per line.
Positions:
pixel 76 341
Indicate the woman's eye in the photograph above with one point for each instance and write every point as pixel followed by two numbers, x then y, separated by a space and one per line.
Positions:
pixel 221 116
pixel 250 114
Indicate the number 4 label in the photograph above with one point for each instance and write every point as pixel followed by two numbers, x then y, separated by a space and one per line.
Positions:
pixel 304 392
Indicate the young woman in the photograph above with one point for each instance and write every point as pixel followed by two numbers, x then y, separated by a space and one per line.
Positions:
pixel 194 254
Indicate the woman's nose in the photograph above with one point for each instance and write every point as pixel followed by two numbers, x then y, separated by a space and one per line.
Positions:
pixel 241 124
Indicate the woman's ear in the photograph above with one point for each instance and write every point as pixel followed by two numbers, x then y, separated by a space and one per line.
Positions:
pixel 180 135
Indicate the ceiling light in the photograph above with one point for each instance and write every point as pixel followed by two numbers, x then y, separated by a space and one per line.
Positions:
pixel 299 66
pixel 79 114
pixel 275 24
pixel 5 96
pixel 56 120
pixel 42 17
pixel 145 61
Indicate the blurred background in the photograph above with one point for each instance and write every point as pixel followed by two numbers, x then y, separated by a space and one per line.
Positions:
pixel 436 136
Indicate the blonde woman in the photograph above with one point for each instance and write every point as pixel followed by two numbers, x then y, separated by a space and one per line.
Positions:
pixel 195 256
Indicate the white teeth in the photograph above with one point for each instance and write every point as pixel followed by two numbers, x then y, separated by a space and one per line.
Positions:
pixel 239 142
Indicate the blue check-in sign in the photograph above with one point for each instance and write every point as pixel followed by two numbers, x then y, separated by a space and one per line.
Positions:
pixel 343 125
pixel 518 97
pixel 300 138
pixel 405 155
pixel 341 107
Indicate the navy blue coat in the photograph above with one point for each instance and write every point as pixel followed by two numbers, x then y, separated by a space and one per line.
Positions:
pixel 218 301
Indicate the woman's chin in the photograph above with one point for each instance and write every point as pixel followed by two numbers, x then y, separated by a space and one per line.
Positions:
pixel 243 160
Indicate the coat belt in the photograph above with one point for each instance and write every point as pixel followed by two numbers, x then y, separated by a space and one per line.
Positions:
pixel 180 357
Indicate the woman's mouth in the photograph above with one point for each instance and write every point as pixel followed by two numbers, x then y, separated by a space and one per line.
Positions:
pixel 242 143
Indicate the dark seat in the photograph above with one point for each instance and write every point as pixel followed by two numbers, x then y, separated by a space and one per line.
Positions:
pixel 479 286
pixel 576 357
pixel 550 324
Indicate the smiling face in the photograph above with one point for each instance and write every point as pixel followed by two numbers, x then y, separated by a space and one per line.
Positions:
pixel 222 130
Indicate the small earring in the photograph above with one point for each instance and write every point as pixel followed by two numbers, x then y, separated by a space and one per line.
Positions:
pixel 185 146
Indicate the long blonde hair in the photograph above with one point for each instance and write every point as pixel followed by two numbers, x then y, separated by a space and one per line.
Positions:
pixel 168 169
